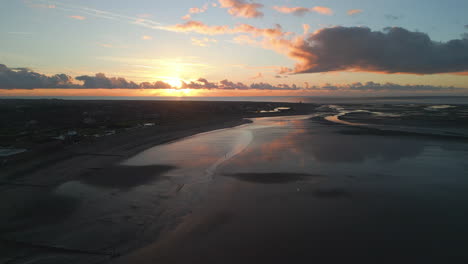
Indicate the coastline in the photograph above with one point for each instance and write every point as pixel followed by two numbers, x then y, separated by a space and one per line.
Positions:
pixel 84 207
pixel 101 153
pixel 31 187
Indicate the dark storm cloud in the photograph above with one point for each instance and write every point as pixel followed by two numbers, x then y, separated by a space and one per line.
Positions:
pixel 23 78
pixel 395 50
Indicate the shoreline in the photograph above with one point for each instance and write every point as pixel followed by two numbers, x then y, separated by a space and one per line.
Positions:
pixel 38 181
pixel 103 152
pixel 38 167
pixel 84 204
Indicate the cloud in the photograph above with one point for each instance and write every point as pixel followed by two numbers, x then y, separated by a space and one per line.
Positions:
pixel 23 78
pixel 257 76
pixel 155 85
pixel 101 81
pixel 267 86
pixel 306 28
pixel 284 70
pixel 203 42
pixel 245 39
pixel 377 87
pixel 395 50
pixel 352 12
pixel 187 17
pixel 195 10
pixel 228 85
pixel 201 83
pixel 140 20
pixel 32 4
pixel 78 17
pixel 466 26
pixel 300 11
pixel 239 8
pixel 201 28
pixel 146 37
pixel 323 10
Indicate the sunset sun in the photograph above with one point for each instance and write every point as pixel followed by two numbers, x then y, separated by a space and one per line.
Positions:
pixel 175 82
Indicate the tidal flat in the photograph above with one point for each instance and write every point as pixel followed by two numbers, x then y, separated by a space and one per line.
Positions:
pixel 277 189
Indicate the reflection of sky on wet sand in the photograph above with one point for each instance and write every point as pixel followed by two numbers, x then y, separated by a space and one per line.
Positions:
pixel 362 196
pixel 307 147
pixel 289 144
pixel 282 189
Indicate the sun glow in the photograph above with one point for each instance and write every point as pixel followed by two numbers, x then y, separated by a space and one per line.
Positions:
pixel 175 82
pixel 179 92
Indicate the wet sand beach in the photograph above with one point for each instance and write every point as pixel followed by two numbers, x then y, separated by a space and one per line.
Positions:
pixel 288 189
pixel 301 191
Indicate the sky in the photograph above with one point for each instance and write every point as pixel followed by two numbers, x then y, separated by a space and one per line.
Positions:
pixel 233 47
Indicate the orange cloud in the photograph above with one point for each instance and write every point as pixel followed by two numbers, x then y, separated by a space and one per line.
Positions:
pixel 195 10
pixel 145 37
pixel 323 10
pixel 203 42
pixel 257 76
pixel 240 8
pixel 245 39
pixel 78 17
pixel 306 28
pixel 292 10
pixel 354 11
pixel 300 11
pixel 201 28
pixel 34 5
